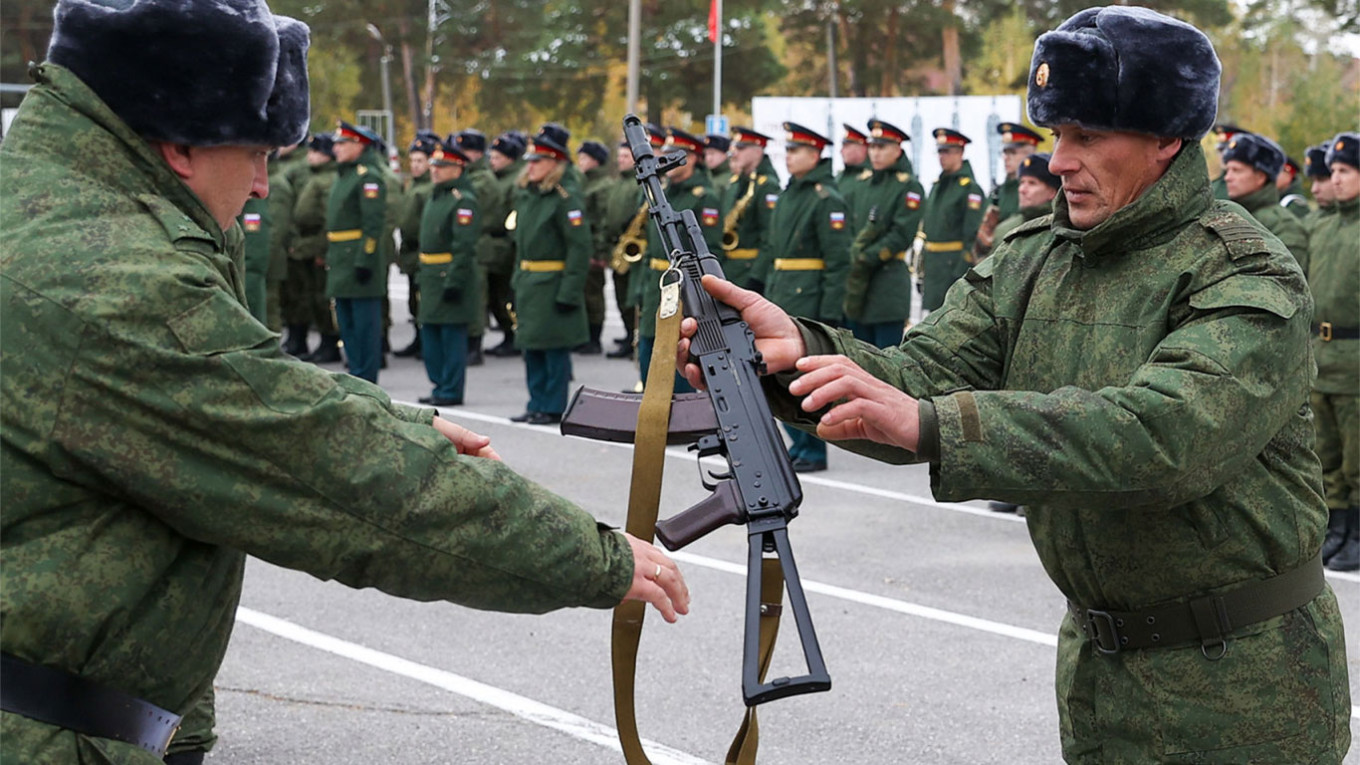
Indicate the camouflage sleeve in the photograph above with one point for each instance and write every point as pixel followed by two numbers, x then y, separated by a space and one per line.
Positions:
pixel 1217 388
pixel 571 217
pixel 373 220
pixel 282 198
pixel 314 471
pixel 833 239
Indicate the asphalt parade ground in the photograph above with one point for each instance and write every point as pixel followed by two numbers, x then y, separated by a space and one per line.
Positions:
pixel 936 620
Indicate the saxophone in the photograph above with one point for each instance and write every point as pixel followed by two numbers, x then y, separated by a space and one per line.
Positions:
pixel 730 240
pixel 631 243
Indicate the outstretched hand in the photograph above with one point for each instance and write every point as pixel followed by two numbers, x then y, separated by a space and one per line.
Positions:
pixel 469 443
pixel 868 408
pixel 777 337
pixel 657 580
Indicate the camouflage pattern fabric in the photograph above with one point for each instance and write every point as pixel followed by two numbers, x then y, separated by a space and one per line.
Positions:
pixel 1264 205
pixel 151 434
pixel 1142 389
pixel 1334 276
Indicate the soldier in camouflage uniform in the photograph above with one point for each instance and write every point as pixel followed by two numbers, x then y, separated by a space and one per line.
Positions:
pixel 1018 142
pixel 953 214
pixel 496 247
pixel 1135 370
pixel 716 159
pixel 1223 134
pixel 754 181
pixel 472 143
pixel 154 434
pixel 1250 164
pixel 887 213
pixel 1320 178
pixel 418 187
pixel 1035 190
pixel 356 262
pixel 855 156
pixel 593 161
pixel 1334 275
pixel 309 253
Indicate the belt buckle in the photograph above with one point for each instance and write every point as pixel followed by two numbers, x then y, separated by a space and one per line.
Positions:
pixel 1325 331
pixel 1102 629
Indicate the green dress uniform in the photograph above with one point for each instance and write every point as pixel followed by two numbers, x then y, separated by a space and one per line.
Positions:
pixel 761 190
pixel 154 435
pixel 721 176
pixel 1006 198
pixel 496 250
pixel 598 182
pixel 1264 205
pixel 850 178
pixel 356 265
pixel 1334 277
pixel 484 184
pixel 953 213
pixel 408 255
pixel 282 197
pixel 695 194
pixel 1140 388
pixel 878 287
pixel 308 262
pixel 449 229
pixel 256 226
pixel 552 251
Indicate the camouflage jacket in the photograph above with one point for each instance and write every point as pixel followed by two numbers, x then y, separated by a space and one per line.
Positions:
pixel 1264 205
pixel 151 436
pixel 1334 276
pixel 1142 388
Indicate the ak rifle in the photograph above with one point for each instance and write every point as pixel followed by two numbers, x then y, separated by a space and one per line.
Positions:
pixel 731 419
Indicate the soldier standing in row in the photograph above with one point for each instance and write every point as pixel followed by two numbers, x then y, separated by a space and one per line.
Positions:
pixel 552 251
pixel 855 157
pixel 716 148
pixel 687 188
pixel 953 214
pixel 628 226
pixel 1320 178
pixel 1223 135
pixel 280 238
pixel 449 227
pixel 1017 142
pixel 748 205
pixel 1291 188
pixel 254 222
pixel 887 214
pixel 1035 190
pixel 803 266
pixel 1334 276
pixel 496 247
pixel 592 159
pixel 418 187
pixel 356 268
pixel 472 143
pixel 1250 164
pixel 309 255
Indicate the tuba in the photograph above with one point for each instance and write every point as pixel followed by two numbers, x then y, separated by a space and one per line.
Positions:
pixel 631 243
pixel 730 240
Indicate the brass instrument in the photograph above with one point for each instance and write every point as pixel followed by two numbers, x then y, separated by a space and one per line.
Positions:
pixel 730 239
pixel 631 243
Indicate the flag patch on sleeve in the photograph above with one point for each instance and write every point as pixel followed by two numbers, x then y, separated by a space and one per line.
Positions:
pixel 370 191
pixel 710 216
pixel 250 221
pixel 974 201
pixel 837 221
pixel 575 217
pixel 464 216
pixel 770 199
pixel 913 200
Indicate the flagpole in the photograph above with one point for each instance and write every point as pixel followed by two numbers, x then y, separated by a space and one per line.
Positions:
pixel 717 60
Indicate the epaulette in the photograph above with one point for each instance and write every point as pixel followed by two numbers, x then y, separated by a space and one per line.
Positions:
pixel 821 192
pixel 699 191
pixel 761 178
pixel 903 177
pixel 558 188
pixel 1238 234
pixel 866 175
pixel 361 170
pixel 456 193
pixel 965 180
pixel 735 177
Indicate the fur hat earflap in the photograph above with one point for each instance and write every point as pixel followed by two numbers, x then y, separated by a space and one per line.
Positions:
pixel 1345 148
pixel 1125 68
pixel 196 72
pixel 1257 151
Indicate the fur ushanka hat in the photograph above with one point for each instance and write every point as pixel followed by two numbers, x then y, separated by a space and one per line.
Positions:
pixel 1257 151
pixel 1345 148
pixel 196 72
pixel 1125 68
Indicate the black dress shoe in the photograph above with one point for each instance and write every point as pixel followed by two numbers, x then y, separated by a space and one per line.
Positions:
pixel 624 352
pixel 504 350
pixel 434 401
pixel 476 359
pixel 588 349
pixel 412 350
pixel 523 417
pixel 543 418
pixel 425 400
pixel 801 465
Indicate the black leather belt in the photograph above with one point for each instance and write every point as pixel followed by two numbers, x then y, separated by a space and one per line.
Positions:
pixel 67 701
pixel 1329 332
pixel 1206 620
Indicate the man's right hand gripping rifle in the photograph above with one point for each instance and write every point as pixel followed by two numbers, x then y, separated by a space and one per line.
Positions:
pixel 731 419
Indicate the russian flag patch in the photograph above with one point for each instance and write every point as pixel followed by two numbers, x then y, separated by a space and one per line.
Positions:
pixel 464 216
pixel 974 201
pixel 575 217
pixel 913 200
pixel 770 200
pixel 371 190
pixel 710 216
pixel 250 221
pixel 837 221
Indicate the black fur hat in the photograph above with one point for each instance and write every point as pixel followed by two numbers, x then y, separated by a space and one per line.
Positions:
pixel 1257 151
pixel 470 140
pixel 508 144
pixel 324 143
pixel 595 150
pixel 1345 148
pixel 426 141
pixel 1315 161
pixel 1125 68
pixel 1036 166
pixel 196 72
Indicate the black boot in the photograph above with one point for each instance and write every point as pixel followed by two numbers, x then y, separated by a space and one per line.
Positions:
pixel 592 346
pixel 474 355
pixel 328 352
pixel 1348 557
pixel 507 347
pixel 1336 534
pixel 296 344
pixel 412 350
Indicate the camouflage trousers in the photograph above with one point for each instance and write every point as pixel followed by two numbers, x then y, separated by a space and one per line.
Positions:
pixel 1337 425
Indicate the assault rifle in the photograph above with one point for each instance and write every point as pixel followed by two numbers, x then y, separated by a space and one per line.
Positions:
pixel 731 419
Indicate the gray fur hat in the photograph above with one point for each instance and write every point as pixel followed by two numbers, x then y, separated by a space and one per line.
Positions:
pixel 196 72
pixel 1345 148
pixel 1125 68
pixel 1256 151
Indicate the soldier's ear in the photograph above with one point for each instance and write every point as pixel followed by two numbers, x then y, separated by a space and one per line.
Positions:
pixel 177 156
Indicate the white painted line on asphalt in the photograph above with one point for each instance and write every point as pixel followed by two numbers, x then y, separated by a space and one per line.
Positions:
pixel 519 706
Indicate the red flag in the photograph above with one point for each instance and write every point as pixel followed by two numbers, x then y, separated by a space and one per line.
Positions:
pixel 713 21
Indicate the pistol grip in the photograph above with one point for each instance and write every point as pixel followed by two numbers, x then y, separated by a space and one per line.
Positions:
pixel 721 508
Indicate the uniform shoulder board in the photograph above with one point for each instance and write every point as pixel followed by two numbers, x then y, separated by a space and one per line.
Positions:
pixel 866 175
pixel 456 193
pixel 561 191
pixel 699 191
pixel 1237 233
pixel 761 178
pixel 903 177
pixel 735 177
pixel 965 180
pixel 362 170
pixel 822 192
